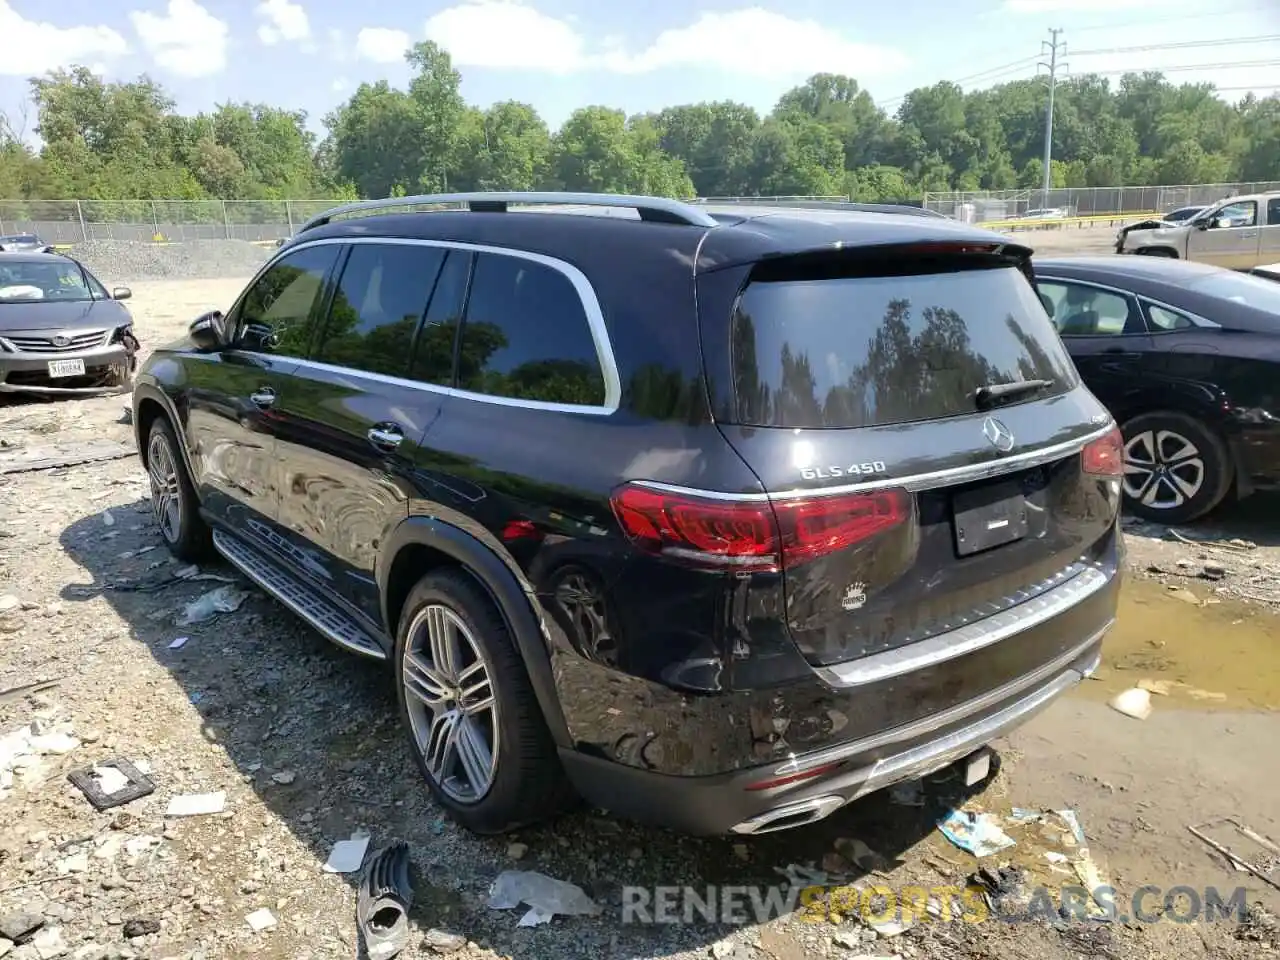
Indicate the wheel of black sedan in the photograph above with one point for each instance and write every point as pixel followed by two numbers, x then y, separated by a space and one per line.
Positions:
pixel 474 723
pixel 1175 468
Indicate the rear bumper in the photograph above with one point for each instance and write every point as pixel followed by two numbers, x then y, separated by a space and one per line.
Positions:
pixel 716 805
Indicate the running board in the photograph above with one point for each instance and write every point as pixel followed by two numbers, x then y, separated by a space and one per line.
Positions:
pixel 335 625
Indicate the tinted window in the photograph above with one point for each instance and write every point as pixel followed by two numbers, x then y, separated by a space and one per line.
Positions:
pixel 1162 318
pixel 861 351
pixel 433 358
pixel 286 296
pixel 376 309
pixel 1083 311
pixel 1243 214
pixel 1273 212
pixel 526 335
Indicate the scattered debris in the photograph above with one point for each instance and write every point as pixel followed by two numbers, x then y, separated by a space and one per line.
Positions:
pixel 978 833
pixel 12 693
pixel 382 907
pixel 112 783
pixel 516 851
pixel 207 606
pixel 196 804
pixel 140 927
pixel 20 926
pixel 284 777
pixel 261 919
pixel 1198 830
pixel 1185 595
pixel 178 643
pixel 347 856
pixel 64 455
pixel 23 753
pixel 544 896
pixel 1134 702
pixel 442 942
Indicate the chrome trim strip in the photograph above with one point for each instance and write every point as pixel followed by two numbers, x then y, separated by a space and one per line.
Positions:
pixel 916 482
pixel 674 209
pixel 925 725
pixel 970 637
pixel 586 294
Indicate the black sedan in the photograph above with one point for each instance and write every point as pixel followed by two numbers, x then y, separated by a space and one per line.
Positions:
pixel 1187 358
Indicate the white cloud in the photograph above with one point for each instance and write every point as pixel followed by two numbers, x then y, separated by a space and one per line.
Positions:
pixel 761 43
pixel 339 85
pixel 187 40
pixel 511 34
pixel 382 44
pixel 282 20
pixel 33 46
pixel 1078 6
pixel 507 35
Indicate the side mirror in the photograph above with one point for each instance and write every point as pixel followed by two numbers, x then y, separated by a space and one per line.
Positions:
pixel 121 293
pixel 206 331
pixel 1204 224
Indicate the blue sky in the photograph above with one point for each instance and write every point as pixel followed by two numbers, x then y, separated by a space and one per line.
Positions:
pixel 561 54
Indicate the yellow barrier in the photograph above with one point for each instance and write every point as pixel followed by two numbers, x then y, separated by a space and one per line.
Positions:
pixel 1090 221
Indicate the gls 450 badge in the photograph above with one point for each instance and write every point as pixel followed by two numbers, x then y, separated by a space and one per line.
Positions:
pixel 852 470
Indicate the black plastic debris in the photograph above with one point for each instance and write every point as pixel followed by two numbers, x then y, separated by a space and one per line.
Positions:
pixel 382 908
pixel 140 927
pixel 138 785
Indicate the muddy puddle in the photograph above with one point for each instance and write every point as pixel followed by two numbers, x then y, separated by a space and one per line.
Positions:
pixel 1213 656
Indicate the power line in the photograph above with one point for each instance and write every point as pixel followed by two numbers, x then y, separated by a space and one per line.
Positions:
pixel 1183 67
pixel 1184 45
pixel 983 76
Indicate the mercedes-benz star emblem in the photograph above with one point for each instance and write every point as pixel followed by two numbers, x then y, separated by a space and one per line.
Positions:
pixel 61 341
pixel 997 434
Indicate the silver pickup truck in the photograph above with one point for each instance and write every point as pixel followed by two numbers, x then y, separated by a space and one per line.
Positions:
pixel 1240 233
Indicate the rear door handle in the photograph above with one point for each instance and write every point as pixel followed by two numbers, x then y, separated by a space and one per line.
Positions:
pixel 385 436
pixel 263 397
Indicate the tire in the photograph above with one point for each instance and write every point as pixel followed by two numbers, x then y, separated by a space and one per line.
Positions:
pixel 183 530
pixel 1157 252
pixel 1192 474
pixel 514 777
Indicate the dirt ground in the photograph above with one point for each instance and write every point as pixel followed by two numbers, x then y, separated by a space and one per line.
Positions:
pixel 304 742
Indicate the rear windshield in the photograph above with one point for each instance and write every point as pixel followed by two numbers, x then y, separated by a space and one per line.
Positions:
pixel 864 351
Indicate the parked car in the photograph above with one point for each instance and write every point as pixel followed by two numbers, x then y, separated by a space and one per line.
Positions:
pixel 60 330
pixel 1046 213
pixel 1187 358
pixel 713 516
pixel 24 243
pixel 1239 233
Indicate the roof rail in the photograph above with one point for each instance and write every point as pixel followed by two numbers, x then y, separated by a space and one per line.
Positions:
pixel 656 209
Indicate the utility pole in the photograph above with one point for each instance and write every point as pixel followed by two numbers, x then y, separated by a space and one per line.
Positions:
pixel 1053 48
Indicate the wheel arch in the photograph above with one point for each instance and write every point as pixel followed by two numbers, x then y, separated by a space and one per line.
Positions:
pixel 421 544
pixel 1158 250
pixel 149 403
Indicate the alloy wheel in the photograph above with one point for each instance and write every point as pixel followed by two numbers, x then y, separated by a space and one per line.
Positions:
pixel 1162 469
pixel 450 699
pixel 166 491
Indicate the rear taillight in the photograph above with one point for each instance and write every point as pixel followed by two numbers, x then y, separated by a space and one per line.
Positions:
pixel 753 535
pixel 1104 457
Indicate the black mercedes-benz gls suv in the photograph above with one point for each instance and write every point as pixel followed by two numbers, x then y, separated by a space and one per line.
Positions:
pixel 716 517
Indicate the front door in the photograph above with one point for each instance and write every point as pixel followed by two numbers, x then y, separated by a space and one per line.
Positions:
pixel 360 406
pixel 1231 238
pixel 231 420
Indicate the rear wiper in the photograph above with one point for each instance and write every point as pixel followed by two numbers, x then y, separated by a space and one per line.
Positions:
pixel 995 392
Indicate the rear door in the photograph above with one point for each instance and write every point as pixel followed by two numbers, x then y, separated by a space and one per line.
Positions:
pixel 358 408
pixel 1104 332
pixel 862 377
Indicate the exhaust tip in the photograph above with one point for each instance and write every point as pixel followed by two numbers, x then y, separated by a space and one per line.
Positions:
pixel 790 815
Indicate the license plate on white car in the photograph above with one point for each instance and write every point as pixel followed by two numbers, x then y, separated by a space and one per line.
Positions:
pixel 66 368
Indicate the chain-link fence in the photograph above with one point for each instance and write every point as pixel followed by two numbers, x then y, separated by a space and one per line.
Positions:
pixel 74 221
pixel 983 205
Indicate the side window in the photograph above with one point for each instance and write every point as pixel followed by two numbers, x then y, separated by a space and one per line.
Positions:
pixel 285 298
pixel 1162 319
pixel 1243 214
pixel 1083 311
pixel 526 335
pixel 1273 212
pixel 376 309
pixel 433 358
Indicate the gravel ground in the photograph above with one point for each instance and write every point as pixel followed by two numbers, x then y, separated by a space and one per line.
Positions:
pixel 117 262
pixel 304 742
